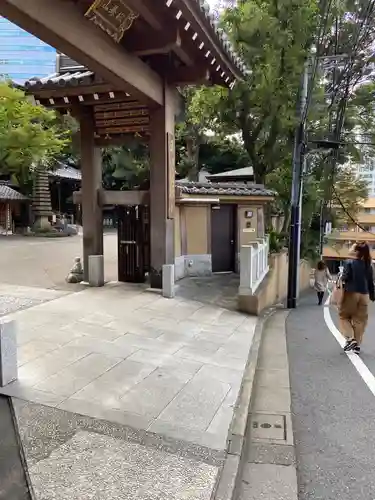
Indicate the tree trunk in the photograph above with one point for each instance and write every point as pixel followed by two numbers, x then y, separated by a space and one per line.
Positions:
pixel 286 222
pixel 259 177
pixel 258 167
pixel 192 149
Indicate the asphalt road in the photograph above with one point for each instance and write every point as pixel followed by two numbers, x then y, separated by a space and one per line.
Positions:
pixel 333 409
pixel 13 484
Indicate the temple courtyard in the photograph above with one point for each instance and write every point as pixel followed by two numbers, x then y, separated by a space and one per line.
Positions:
pixel 45 262
pixel 122 372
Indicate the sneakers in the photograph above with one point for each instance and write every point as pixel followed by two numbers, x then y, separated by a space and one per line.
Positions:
pixel 351 345
pixel 357 349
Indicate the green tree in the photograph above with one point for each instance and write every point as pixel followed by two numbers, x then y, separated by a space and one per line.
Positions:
pixel 347 191
pixel 219 155
pixel 191 134
pixel 273 39
pixel 348 195
pixel 126 167
pixel 30 136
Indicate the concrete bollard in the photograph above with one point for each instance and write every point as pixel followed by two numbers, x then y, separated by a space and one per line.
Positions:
pixel 96 270
pixel 8 352
pixel 168 281
pixel 246 270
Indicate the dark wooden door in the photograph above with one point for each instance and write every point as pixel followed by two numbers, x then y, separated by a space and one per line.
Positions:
pixel 223 240
pixel 133 243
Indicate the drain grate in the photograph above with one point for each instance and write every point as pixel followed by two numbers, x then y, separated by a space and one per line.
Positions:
pixel 270 427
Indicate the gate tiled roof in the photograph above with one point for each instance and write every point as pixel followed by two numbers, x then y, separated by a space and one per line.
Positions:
pixel 224 188
pixel 9 194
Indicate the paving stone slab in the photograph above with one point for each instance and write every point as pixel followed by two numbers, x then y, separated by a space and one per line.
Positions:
pixel 196 405
pixel 155 392
pixel 269 482
pixel 266 453
pixel 113 384
pixel 70 380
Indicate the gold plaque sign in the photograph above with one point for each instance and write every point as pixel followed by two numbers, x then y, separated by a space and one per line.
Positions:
pixel 171 176
pixel 112 16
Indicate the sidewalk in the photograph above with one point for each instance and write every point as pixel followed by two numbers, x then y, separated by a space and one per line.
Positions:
pixel 139 388
pixel 269 469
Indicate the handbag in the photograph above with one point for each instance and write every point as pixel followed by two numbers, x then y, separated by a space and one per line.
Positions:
pixel 337 293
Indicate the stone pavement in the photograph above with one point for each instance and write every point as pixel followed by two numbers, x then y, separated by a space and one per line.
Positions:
pixel 70 456
pixel 14 298
pixel 125 363
pixel 269 470
pixel 45 262
pixel 218 289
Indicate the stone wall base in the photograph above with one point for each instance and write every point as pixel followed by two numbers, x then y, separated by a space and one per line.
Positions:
pixel 273 288
pixel 193 265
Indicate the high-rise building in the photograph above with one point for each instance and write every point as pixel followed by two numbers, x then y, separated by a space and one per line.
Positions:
pixel 23 56
pixel 360 226
pixel 366 172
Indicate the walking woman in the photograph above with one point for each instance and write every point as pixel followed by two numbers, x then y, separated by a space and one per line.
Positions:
pixel 358 290
pixel 321 278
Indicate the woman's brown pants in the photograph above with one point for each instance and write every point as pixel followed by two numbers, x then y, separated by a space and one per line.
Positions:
pixel 354 315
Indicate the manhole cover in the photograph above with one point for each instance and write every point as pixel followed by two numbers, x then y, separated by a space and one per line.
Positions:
pixel 268 427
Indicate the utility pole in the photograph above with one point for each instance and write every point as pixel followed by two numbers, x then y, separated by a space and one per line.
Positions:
pixel 299 222
pixel 296 196
pixel 321 229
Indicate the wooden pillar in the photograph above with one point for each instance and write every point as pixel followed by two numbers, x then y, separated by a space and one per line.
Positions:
pixel 91 169
pixel 162 186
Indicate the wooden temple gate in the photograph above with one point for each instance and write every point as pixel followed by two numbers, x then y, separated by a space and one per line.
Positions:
pixel 132 56
pixel 133 243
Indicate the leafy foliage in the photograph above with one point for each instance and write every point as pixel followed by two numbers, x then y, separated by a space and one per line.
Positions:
pixel 273 39
pixel 348 192
pixel 125 167
pixel 30 135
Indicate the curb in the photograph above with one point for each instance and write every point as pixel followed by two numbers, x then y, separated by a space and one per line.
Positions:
pixel 21 450
pixel 236 441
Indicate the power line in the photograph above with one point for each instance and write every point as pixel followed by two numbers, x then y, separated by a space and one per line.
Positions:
pixel 349 214
pixel 340 116
pixel 322 31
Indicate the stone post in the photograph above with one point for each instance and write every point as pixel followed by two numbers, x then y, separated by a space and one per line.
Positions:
pixel 246 270
pixel 8 352
pixel 96 270
pixel 168 281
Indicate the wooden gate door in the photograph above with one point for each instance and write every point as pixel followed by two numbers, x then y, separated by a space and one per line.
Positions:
pixel 133 243
pixel 223 240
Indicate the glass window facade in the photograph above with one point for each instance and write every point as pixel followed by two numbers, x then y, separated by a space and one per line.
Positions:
pixel 23 56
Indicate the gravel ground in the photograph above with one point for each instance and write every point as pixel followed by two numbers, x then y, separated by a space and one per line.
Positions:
pixel 10 304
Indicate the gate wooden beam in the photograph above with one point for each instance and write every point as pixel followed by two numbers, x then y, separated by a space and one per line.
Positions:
pixel 117 197
pixel 187 76
pixel 145 46
pixel 61 25
pixel 144 11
